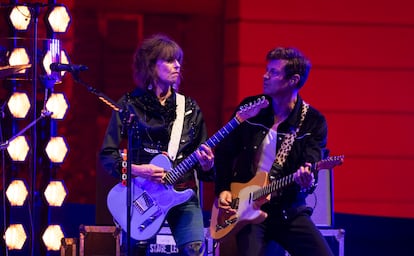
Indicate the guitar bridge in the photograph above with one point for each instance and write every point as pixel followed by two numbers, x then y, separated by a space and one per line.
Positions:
pixel 143 203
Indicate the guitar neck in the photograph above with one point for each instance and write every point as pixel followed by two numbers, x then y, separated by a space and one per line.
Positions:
pixel 172 176
pixel 278 184
pixel 283 182
pixel 274 186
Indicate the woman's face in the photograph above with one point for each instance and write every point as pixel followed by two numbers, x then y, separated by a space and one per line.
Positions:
pixel 168 71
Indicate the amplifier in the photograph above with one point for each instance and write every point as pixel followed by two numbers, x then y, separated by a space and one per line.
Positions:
pixel 321 200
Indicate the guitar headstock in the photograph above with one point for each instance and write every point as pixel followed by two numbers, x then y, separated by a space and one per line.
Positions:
pixel 251 109
pixel 329 162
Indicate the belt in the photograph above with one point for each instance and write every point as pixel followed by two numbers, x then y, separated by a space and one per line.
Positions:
pixel 292 212
pixel 185 185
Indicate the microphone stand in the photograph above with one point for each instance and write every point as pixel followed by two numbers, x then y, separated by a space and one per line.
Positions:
pixel 128 125
pixel 44 114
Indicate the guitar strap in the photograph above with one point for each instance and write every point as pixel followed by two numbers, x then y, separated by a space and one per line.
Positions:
pixel 177 127
pixel 176 133
pixel 286 146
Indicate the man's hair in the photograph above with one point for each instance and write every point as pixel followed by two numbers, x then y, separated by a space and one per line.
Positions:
pixel 297 63
pixel 152 49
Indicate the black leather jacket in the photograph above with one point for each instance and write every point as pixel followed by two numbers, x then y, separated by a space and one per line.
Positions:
pixel 235 156
pixel 151 134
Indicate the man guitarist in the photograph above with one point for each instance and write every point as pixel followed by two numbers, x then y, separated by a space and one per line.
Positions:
pixel 284 138
pixel 166 122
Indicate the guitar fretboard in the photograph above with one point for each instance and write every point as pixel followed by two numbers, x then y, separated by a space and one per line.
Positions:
pixel 283 182
pixel 172 176
pixel 274 186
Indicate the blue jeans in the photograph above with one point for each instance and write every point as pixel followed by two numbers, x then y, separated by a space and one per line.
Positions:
pixel 187 227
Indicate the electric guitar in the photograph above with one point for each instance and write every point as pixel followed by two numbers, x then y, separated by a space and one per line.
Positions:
pixel 248 197
pixel 151 201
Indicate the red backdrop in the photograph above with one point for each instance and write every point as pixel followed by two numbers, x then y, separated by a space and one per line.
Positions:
pixel 361 80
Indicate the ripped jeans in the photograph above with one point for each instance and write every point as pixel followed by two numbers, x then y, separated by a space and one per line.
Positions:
pixel 192 249
pixel 187 227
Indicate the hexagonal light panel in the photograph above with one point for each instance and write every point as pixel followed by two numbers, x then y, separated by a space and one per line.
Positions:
pixel 55 193
pixel 20 17
pixel 19 104
pixel 19 56
pixel 58 105
pixel 15 236
pixel 56 149
pixel 18 149
pixel 17 193
pixel 52 237
pixel 58 19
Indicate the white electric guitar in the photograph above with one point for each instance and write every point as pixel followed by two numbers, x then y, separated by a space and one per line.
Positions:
pixel 151 201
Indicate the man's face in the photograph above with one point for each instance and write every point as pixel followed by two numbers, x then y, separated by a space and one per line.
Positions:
pixel 274 81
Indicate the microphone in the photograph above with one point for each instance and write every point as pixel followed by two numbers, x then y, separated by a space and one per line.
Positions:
pixel 58 67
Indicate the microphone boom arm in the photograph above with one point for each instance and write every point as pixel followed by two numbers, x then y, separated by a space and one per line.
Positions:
pixel 104 98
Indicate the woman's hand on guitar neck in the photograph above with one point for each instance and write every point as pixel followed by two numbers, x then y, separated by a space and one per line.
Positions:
pixel 205 157
pixel 148 171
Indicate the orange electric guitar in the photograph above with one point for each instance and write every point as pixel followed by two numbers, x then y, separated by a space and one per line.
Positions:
pixel 248 197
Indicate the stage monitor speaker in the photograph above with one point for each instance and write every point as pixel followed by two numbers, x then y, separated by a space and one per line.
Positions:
pixel 99 240
pixel 321 200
